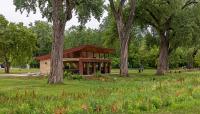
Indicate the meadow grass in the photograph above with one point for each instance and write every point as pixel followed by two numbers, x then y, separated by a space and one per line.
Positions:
pixel 175 93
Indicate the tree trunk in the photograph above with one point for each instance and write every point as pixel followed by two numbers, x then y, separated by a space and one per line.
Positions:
pixel 56 72
pixel 124 37
pixel 124 29
pixel 124 57
pixel 162 66
pixel 7 67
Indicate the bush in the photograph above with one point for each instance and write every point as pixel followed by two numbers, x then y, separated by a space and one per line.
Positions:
pixel 67 74
pixel 70 76
pixel 77 77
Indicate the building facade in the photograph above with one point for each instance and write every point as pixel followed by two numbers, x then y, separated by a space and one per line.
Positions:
pixel 84 60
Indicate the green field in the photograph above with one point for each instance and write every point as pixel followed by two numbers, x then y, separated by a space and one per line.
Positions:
pixel 175 93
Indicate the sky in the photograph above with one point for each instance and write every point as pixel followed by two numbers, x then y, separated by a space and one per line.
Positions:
pixel 8 10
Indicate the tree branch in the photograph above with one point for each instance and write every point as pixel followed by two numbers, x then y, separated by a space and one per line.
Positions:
pixel 69 5
pixel 188 3
pixel 120 9
pixel 153 16
pixel 112 6
pixel 128 24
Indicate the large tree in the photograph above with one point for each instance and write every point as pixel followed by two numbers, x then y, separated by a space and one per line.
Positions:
pixel 124 26
pixel 17 44
pixel 59 12
pixel 170 20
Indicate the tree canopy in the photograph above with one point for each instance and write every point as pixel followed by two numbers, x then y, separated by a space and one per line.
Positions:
pixel 83 8
pixel 173 21
pixel 44 34
pixel 17 43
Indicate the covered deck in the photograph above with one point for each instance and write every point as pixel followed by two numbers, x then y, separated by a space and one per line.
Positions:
pixel 87 66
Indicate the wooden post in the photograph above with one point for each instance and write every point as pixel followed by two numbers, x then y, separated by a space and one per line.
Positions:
pixel 104 67
pixel 88 68
pixel 80 67
pixel 94 67
pixel 109 67
pixel 99 67
pixel 86 54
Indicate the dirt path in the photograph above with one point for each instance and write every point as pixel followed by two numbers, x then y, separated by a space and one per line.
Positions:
pixel 21 75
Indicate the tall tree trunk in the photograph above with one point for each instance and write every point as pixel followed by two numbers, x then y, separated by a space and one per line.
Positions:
pixel 56 72
pixel 124 57
pixel 124 29
pixel 162 66
pixel 7 67
pixel 124 37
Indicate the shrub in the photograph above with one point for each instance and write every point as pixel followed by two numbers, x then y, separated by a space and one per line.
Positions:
pixel 67 74
pixel 77 77
pixel 70 76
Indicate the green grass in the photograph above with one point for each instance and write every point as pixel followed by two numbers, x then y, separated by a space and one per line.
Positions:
pixel 176 93
pixel 19 70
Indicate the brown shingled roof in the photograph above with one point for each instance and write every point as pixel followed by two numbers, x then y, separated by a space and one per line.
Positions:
pixel 84 48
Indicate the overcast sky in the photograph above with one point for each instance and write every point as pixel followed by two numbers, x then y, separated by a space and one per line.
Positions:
pixel 8 10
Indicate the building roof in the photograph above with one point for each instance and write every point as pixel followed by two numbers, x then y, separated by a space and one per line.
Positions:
pixel 83 48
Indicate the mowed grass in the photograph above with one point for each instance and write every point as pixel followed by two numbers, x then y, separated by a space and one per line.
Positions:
pixel 175 93
pixel 20 70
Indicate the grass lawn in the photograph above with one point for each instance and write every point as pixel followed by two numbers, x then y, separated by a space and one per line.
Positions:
pixel 19 70
pixel 176 93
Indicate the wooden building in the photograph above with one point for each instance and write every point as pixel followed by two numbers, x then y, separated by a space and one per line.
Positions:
pixel 84 60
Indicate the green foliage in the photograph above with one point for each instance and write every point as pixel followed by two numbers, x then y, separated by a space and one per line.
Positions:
pixel 178 58
pixel 43 31
pixel 17 43
pixel 84 9
pixel 115 62
pixel 77 36
pixel 178 17
pixel 197 59
pixel 76 77
pixel 151 40
pixel 109 31
pixel 68 75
